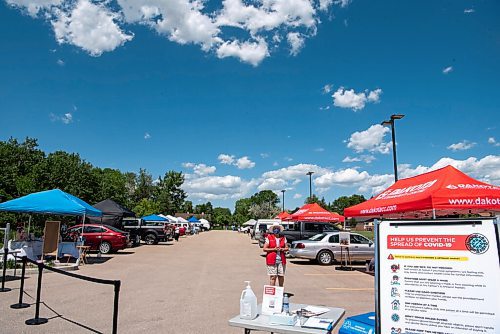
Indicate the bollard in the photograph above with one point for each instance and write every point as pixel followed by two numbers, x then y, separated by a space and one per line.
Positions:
pixel 37 320
pixel 21 289
pixel 4 274
pixel 115 307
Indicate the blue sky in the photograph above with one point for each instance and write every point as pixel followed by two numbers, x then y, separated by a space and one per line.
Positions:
pixel 245 96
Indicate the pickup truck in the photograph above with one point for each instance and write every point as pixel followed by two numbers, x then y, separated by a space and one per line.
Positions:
pixel 148 231
pixel 305 230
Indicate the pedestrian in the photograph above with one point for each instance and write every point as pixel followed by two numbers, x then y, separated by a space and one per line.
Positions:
pixel 275 246
pixel 177 232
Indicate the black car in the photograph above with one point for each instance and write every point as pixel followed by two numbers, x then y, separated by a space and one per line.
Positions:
pixel 150 232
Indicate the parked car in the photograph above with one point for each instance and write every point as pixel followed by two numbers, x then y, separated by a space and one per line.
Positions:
pixel 306 230
pixel 103 238
pixel 151 232
pixel 325 248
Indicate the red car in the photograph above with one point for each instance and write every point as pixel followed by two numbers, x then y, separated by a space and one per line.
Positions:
pixel 103 238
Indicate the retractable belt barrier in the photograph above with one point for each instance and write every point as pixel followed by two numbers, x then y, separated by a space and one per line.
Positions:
pixel 37 320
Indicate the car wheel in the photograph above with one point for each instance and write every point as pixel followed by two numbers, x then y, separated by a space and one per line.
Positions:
pixel 150 239
pixel 105 247
pixel 325 258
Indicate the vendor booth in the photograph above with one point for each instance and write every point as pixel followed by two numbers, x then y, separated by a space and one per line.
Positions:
pixel 315 213
pixel 424 267
pixel 112 213
pixel 283 215
pixel 54 202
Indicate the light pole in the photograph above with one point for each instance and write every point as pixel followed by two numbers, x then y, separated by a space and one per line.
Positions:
pixel 310 184
pixel 283 202
pixel 393 129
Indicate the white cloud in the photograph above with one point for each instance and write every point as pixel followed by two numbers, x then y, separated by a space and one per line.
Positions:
pixel 295 172
pixel 343 3
pixel 324 108
pixel 448 69
pixel 245 163
pixel 276 164
pixel 493 142
pixel 289 159
pixel 33 7
pixel 217 187
pixel 319 149
pixel 264 155
pixel 272 184
pixel 147 136
pixel 226 159
pixel 65 119
pixel 365 158
pixel 296 42
pixel 248 52
pixel 92 27
pixel 371 140
pixel 60 62
pixel 200 169
pixel 241 163
pixel 461 146
pixel 297 196
pixel 344 98
pixel 327 88
pixel 469 10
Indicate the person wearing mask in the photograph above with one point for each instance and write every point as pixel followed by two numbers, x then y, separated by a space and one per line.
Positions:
pixel 275 247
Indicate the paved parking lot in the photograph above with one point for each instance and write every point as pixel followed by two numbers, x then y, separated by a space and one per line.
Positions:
pixel 192 286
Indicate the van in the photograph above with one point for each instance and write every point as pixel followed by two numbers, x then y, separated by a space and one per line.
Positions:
pixel 261 228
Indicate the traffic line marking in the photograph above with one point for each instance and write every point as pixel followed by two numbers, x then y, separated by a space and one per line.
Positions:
pixel 351 289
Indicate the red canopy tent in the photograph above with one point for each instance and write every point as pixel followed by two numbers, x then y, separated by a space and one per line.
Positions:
pixel 283 215
pixel 314 212
pixel 444 191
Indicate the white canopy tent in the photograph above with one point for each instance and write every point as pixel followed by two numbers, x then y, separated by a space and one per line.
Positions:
pixel 172 219
pixel 181 220
pixel 250 222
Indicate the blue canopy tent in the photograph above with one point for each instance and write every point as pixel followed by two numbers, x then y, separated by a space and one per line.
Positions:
pixel 154 218
pixel 193 219
pixel 54 201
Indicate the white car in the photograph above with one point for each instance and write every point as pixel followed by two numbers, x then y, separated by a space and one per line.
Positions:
pixel 325 248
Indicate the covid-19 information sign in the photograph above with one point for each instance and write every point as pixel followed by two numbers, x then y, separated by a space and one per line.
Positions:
pixel 438 277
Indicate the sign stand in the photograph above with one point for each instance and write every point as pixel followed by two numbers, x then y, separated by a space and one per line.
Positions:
pixel 437 276
pixel 345 259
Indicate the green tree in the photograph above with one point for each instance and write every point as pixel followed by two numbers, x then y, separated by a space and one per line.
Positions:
pixel 18 162
pixel 343 202
pixel 263 211
pixel 169 194
pixel 241 210
pixel 314 199
pixel 221 216
pixel 146 207
pixel 206 209
pixel 68 172
pixel 265 197
pixel 112 184
pixel 187 207
pixel 143 187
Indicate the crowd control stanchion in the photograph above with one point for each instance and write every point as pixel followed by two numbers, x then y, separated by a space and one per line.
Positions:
pixel 37 320
pixel 20 304
pixel 4 271
pixel 115 307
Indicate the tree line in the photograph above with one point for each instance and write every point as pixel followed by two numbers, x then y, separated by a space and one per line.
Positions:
pixel 25 168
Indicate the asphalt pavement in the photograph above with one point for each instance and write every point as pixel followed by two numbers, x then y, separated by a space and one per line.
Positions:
pixel 192 286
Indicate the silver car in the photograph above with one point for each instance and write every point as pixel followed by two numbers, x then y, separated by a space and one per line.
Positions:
pixel 325 248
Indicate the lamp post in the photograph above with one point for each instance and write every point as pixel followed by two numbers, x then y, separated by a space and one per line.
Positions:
pixel 310 183
pixel 393 130
pixel 283 202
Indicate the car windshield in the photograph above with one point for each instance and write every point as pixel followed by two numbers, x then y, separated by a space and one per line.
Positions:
pixel 318 237
pixel 114 229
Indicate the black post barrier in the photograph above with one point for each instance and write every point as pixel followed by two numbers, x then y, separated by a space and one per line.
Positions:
pixel 4 274
pixel 21 288
pixel 115 307
pixel 37 320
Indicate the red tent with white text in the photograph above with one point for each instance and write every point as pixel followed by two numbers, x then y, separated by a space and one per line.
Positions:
pixel 315 213
pixel 446 191
pixel 283 215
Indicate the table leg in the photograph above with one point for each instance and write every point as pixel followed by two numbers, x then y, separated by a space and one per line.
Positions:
pixel 247 331
pixel 15 265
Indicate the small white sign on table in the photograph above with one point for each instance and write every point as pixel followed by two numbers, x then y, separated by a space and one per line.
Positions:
pixel 272 299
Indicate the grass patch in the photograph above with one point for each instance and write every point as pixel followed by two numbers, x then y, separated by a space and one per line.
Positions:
pixel 368 234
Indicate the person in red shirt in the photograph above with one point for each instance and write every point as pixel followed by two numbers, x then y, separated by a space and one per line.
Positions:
pixel 275 246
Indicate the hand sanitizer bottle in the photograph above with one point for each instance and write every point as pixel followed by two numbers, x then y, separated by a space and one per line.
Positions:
pixel 248 303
